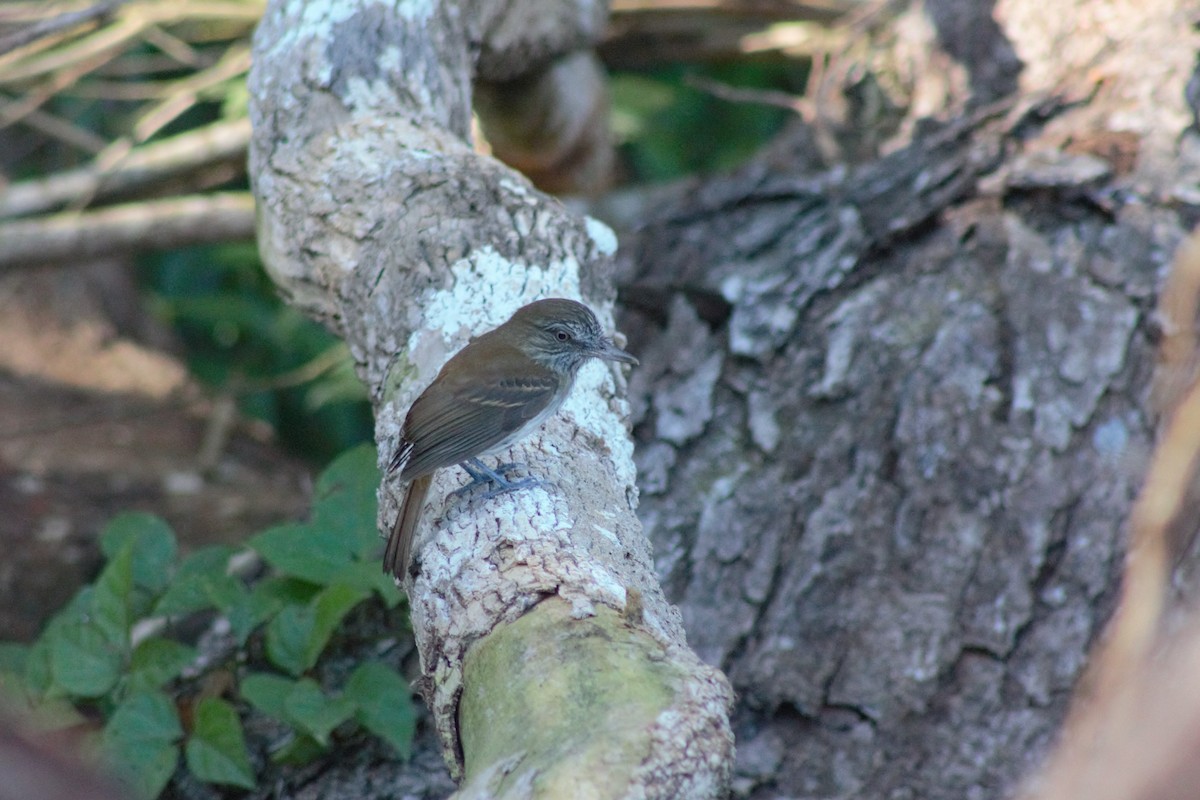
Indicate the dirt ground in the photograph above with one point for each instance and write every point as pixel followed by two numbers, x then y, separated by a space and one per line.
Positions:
pixel 97 416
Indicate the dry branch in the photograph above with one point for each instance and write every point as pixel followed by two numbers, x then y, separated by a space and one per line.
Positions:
pixel 142 168
pixel 55 24
pixel 161 224
pixel 646 32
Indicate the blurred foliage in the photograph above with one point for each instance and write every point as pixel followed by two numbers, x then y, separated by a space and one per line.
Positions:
pixel 116 78
pixel 240 337
pixel 667 128
pixel 149 69
pixel 112 652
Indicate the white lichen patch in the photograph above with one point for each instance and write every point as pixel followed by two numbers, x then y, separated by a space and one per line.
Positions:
pixel 517 188
pixel 605 532
pixel 311 21
pixel 537 512
pixel 603 237
pixel 608 584
pixel 510 284
pixel 416 10
pixel 366 96
pixel 455 314
pixel 599 419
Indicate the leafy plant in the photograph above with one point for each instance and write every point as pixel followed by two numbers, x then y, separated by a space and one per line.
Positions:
pixel 109 651
pixel 668 128
pixel 241 339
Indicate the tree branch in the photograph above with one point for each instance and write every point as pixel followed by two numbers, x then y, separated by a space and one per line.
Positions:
pixel 377 216
pixel 136 227
pixel 143 167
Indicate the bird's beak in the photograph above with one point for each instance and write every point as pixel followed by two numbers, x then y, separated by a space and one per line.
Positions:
pixel 610 352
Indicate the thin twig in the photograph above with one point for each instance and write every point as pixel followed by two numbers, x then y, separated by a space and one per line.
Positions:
pixel 173 46
pixel 1177 307
pixel 737 94
pixel 135 227
pixel 146 166
pixel 310 370
pixel 19 109
pixel 64 130
pixel 234 62
pixel 99 47
pixel 56 24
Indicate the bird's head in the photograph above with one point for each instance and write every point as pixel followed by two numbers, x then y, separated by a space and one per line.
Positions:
pixel 562 335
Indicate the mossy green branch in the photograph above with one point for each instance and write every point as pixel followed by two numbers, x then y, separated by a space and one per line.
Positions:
pixel 551 702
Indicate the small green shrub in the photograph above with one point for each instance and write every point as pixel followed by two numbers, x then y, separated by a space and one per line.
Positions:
pixel 108 652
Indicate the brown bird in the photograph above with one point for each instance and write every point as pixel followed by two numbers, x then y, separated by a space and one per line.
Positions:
pixel 492 393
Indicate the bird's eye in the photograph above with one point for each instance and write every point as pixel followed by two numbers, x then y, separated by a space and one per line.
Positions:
pixel 563 336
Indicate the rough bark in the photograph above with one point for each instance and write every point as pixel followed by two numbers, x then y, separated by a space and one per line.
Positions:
pixel 892 416
pixel 377 216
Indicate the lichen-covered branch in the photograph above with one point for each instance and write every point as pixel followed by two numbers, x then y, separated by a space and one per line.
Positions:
pixel 377 216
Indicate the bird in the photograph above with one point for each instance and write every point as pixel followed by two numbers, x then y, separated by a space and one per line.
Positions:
pixel 492 393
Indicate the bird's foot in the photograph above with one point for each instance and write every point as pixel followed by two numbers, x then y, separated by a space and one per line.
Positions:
pixel 482 474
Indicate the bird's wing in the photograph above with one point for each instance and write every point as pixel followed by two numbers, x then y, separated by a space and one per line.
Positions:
pixel 456 420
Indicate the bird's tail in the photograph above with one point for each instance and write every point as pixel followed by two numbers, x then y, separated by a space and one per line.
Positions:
pixel 399 545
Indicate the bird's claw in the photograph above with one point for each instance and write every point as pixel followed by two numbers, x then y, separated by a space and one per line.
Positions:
pixel 480 473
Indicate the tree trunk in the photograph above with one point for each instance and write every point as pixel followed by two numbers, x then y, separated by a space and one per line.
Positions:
pixel 891 416
pixel 552 663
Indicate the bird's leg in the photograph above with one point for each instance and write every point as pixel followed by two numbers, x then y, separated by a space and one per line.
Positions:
pixel 481 473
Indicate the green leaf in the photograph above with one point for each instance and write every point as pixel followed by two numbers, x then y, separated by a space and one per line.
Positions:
pixel 13 657
pixel 39 678
pixel 268 693
pixel 288 635
pixel 146 766
pixel 314 712
pixel 304 551
pixel 253 609
pixel 201 593
pixel 140 739
pixel 216 750
pixel 212 560
pixel 201 583
pixel 331 605
pixel 153 543
pixel 157 661
pixel 298 634
pixel 111 596
pixel 300 703
pixel 83 661
pixel 302 749
pixel 145 716
pixel 344 502
pixel 343 526
pixel 264 601
pixel 287 591
pixel 14 660
pixel 39 671
pixel 384 704
pixel 367 576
